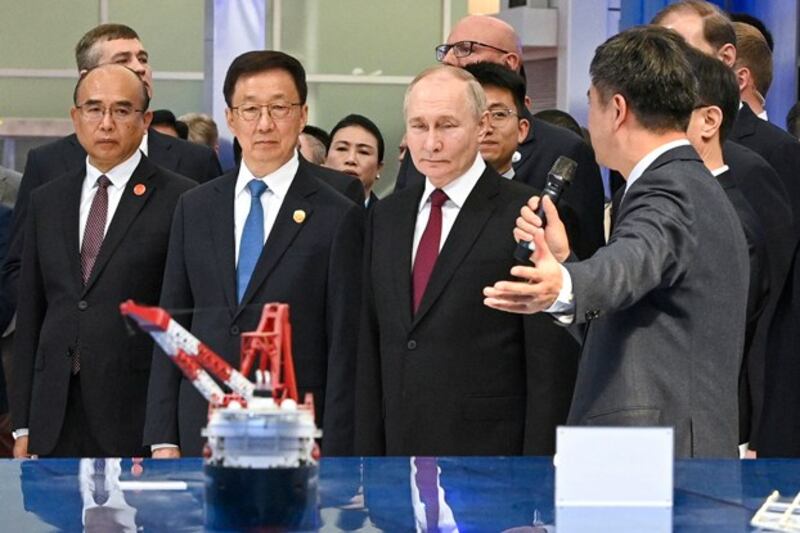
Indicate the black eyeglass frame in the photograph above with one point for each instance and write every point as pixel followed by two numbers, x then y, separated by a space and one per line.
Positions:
pixel 443 49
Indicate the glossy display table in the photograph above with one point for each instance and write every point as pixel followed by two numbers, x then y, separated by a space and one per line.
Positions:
pixel 373 494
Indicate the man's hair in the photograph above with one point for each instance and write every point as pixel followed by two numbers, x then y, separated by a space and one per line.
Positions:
pixel 758 24
pixel 319 134
pixel 560 118
pixel 258 61
pixel 717 27
pixel 475 95
pixel 647 65
pixel 362 122
pixel 202 129
pixel 86 56
pixel 753 52
pixel 717 86
pixel 501 77
pixel 793 120
pixel 84 74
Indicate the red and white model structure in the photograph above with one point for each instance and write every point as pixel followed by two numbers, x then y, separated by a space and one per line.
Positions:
pixel 256 425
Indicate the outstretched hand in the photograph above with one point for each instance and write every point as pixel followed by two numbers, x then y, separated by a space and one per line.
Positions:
pixel 539 285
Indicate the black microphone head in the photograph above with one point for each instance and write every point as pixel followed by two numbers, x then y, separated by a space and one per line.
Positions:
pixel 564 168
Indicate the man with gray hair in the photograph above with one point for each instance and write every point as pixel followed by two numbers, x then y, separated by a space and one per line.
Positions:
pixel 438 373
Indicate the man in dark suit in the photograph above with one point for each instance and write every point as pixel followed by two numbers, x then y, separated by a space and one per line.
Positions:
pixel 657 350
pixel 9 184
pixel 270 231
pixel 763 162
pixel 94 238
pixel 711 122
pixel 107 43
pixel 439 374
pixel 483 38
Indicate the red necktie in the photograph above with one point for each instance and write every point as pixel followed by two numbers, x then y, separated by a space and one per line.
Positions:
pixel 428 249
pixel 428 488
pixel 95 228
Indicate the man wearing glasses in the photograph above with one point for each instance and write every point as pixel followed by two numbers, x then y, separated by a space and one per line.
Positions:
pixel 95 237
pixel 269 231
pixel 477 38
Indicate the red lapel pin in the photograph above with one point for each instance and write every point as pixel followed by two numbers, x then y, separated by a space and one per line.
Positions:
pixel 139 189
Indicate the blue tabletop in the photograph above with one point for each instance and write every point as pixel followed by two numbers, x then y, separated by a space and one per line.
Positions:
pixel 372 494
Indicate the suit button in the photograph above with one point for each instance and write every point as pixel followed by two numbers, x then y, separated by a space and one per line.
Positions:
pixel 412 344
pixel 83 305
pixel 235 330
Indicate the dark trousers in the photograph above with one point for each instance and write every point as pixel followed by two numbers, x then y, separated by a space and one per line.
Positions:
pixel 76 438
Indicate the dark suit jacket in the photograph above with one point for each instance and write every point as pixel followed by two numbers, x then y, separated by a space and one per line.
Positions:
pixel 665 300
pixel 779 432
pixel 66 154
pixel 544 144
pixel 59 315
pixel 6 309
pixel 347 186
pixel 780 149
pixel 765 192
pixel 457 378
pixel 314 266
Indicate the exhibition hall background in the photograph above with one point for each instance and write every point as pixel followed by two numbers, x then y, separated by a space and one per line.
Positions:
pixel 359 54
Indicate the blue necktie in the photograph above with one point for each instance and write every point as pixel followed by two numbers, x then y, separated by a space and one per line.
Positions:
pixel 252 237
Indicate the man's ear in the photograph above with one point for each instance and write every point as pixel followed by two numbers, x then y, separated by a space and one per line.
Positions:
pixel 147 117
pixel 743 77
pixel 727 54
pixel 523 129
pixel 483 126
pixel 513 61
pixel 712 121
pixel 621 109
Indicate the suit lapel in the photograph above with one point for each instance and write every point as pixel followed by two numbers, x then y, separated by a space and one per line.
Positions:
pixel 71 225
pixel 283 231
pixel 470 221
pixel 128 209
pixel 222 233
pixel 159 149
pixel 404 218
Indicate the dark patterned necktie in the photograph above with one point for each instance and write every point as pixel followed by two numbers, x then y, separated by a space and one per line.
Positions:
pixel 95 228
pixel 428 249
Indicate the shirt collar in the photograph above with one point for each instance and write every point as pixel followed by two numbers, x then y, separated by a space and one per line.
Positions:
pixel 458 189
pixel 719 171
pixel 650 158
pixel 143 144
pixel 278 181
pixel 119 175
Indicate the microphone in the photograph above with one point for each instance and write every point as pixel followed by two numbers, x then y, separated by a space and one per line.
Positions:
pixel 560 176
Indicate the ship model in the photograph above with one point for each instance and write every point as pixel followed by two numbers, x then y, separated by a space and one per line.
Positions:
pixel 260 460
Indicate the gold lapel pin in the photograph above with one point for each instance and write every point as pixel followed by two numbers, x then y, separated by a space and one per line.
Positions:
pixel 299 216
pixel 139 189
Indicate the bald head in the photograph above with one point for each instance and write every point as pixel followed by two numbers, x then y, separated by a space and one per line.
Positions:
pixel 99 74
pixel 499 42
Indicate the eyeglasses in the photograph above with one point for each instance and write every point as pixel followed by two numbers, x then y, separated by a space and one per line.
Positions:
pixel 251 112
pixel 96 112
pixel 462 49
pixel 500 115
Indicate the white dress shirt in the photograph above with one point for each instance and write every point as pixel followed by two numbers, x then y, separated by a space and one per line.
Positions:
pixel 143 145
pixel 564 307
pixel 119 176
pixel 278 184
pixel 457 192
